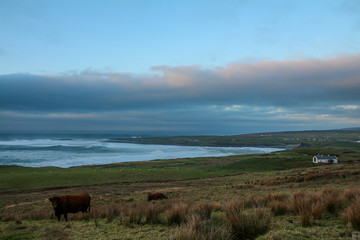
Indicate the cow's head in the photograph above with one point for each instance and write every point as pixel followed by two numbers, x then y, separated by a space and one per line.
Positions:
pixel 55 201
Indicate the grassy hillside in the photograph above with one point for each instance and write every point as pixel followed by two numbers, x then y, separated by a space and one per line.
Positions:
pixel 16 178
pixel 283 193
pixel 197 206
pixel 334 138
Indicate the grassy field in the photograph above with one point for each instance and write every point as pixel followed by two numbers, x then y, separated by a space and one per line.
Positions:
pixel 16 178
pixel 333 138
pixel 284 194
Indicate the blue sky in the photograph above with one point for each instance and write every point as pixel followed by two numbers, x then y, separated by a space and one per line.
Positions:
pixel 202 67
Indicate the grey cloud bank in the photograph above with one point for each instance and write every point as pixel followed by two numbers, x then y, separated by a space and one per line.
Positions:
pixel 268 95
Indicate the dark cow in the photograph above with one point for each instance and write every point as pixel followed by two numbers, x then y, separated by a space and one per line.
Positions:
pixel 156 196
pixel 70 204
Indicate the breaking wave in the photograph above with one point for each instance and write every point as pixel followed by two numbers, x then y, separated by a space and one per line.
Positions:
pixel 68 152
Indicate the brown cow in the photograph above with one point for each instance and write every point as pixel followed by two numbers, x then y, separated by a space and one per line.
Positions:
pixel 70 204
pixel 156 196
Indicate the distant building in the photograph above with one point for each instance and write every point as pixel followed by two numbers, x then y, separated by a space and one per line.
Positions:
pixel 325 159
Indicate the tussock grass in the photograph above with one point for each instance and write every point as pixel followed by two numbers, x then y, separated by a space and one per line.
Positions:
pixel 134 214
pixel 350 195
pixel 203 209
pixel 106 211
pixel 202 229
pixel 317 210
pixel 299 202
pixel 332 200
pixel 153 213
pixel 278 208
pixel 310 206
pixel 276 197
pixel 177 214
pixel 352 214
pixel 199 208
pixel 246 223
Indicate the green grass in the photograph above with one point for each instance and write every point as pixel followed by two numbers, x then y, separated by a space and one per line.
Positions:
pixel 22 178
pixel 275 163
pixel 30 216
pixel 90 229
pixel 333 138
pixel 27 214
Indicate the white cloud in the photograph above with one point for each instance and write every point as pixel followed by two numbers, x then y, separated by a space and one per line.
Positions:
pixel 347 107
pixel 287 92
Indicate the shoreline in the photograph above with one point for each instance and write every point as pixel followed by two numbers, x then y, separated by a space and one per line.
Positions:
pixel 159 158
pixel 283 147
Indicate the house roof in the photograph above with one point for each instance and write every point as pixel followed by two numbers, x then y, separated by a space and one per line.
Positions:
pixel 325 157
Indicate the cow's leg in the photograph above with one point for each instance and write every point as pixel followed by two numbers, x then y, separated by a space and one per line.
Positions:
pixel 58 216
pixel 65 216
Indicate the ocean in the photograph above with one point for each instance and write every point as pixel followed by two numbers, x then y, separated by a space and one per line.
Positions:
pixel 67 150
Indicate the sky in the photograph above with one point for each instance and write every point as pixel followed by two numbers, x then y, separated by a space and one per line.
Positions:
pixel 179 67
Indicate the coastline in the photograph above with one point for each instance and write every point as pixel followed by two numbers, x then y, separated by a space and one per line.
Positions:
pixel 200 144
pixel 67 153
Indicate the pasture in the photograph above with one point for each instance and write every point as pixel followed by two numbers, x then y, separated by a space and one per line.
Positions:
pixel 285 194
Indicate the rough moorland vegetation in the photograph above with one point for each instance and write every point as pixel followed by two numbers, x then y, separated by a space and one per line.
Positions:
pixel 280 195
pixel 269 206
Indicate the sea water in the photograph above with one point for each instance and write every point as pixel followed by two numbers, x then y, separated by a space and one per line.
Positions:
pixel 76 150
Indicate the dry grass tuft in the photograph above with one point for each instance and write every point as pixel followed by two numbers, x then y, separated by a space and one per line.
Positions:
pixel 317 210
pixel 177 214
pixel 106 211
pixel 278 208
pixel 134 214
pixel 332 200
pixel 203 209
pixel 305 218
pixel 352 214
pixel 152 213
pixel 301 204
pixel 297 202
pixel 350 195
pixel 202 229
pixel 275 197
pixel 249 223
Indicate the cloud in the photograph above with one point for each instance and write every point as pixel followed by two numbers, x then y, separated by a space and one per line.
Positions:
pixel 299 91
pixel 282 84
pixel 347 107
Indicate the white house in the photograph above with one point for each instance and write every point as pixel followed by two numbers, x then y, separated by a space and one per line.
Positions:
pixel 325 159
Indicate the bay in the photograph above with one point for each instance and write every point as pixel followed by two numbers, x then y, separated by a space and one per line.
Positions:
pixel 77 150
